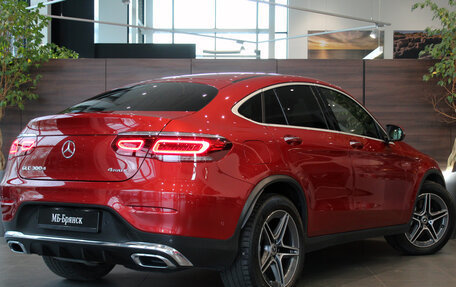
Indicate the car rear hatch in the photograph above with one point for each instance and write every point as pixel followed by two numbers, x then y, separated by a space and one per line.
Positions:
pixel 96 140
pixel 81 147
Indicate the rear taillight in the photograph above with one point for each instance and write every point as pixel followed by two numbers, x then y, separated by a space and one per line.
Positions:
pixel 181 147
pixel 173 147
pixel 22 145
pixel 131 145
pixel 27 144
pixel 14 147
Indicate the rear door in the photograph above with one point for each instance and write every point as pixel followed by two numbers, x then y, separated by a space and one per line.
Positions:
pixel 380 181
pixel 317 157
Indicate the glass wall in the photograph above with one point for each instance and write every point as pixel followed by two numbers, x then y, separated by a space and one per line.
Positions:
pixel 219 28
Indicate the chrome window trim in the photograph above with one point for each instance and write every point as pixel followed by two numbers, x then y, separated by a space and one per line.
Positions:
pixel 236 106
pixel 146 246
pixel 26 135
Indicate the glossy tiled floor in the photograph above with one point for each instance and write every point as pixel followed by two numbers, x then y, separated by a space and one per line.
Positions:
pixel 365 263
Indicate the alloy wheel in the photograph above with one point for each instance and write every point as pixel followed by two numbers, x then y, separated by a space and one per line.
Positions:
pixel 429 221
pixel 278 249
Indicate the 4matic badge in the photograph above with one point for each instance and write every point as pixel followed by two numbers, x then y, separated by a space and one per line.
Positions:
pixel 118 170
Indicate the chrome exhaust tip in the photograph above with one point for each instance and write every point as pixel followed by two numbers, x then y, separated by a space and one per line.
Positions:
pixel 17 247
pixel 152 261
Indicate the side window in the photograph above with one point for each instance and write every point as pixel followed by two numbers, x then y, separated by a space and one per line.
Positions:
pixel 301 107
pixel 381 132
pixel 273 113
pixel 251 109
pixel 350 116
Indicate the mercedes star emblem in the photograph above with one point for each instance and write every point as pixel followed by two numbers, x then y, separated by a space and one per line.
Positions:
pixel 68 149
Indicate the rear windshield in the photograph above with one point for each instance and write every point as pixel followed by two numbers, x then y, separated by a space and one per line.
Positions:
pixel 150 97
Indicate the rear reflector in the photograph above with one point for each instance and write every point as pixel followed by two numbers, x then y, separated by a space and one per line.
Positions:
pixel 150 209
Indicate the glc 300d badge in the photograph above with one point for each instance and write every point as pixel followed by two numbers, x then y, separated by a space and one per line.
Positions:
pixel 68 149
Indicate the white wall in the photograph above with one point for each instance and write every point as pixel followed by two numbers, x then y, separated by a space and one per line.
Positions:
pixel 396 12
pixel 45 11
pixel 111 11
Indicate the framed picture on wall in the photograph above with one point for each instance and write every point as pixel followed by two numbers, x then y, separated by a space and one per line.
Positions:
pixel 409 44
pixel 345 45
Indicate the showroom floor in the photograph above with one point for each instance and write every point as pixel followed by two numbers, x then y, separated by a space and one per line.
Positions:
pixel 365 263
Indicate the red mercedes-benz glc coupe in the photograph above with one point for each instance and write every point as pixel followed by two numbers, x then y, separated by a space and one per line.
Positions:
pixel 242 173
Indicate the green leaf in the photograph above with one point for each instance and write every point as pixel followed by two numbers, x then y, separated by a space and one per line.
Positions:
pixel 444 70
pixel 21 51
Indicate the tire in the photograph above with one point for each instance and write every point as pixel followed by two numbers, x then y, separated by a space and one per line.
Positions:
pixel 286 249
pixel 431 225
pixel 77 271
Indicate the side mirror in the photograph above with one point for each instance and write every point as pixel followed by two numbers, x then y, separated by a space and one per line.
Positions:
pixel 395 133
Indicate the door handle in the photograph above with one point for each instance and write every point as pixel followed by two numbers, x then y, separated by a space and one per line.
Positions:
pixel 292 140
pixel 356 144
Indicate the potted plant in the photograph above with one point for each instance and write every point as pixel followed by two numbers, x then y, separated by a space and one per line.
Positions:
pixel 21 52
pixel 443 71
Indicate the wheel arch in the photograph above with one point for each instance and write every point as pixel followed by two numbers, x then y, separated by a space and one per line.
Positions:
pixel 434 175
pixel 280 184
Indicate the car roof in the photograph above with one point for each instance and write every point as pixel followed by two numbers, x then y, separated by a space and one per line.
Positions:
pixel 222 80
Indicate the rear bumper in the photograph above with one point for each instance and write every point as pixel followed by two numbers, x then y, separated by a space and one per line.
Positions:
pixel 165 257
pixel 117 242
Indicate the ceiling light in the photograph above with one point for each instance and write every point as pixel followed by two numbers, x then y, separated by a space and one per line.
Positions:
pixel 373 34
